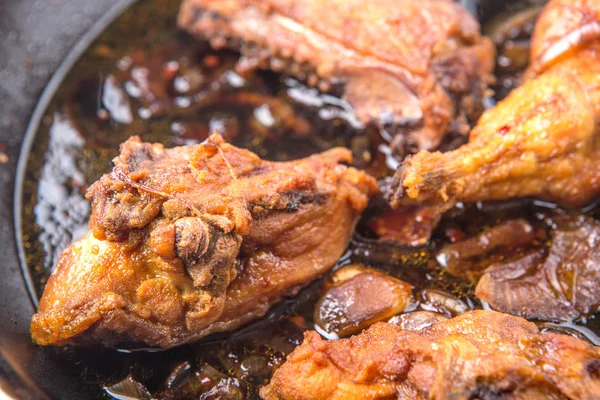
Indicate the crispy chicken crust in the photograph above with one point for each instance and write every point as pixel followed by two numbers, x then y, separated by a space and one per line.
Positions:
pixel 194 240
pixel 479 355
pixel 420 65
pixel 541 141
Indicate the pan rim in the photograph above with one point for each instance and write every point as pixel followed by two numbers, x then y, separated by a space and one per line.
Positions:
pixel 32 128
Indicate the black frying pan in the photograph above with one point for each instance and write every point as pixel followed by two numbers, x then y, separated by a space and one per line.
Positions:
pixel 39 41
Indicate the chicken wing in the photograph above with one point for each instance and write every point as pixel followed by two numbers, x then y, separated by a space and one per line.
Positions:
pixel 541 141
pixel 479 355
pixel 194 240
pixel 421 66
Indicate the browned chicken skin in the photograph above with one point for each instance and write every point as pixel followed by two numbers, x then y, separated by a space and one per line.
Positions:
pixel 479 355
pixel 420 65
pixel 194 240
pixel 541 141
pixel 564 26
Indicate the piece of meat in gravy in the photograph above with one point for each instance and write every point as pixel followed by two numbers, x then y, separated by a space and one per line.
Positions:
pixel 479 355
pixel 199 239
pixel 419 67
pixel 405 226
pixel 556 283
pixel 541 141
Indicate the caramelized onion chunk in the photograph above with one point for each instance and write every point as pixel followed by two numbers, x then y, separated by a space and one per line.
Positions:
pixel 415 321
pixel 461 258
pixel 358 298
pixel 558 284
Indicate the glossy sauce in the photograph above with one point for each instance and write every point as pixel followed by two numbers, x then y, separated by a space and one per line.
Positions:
pixel 162 85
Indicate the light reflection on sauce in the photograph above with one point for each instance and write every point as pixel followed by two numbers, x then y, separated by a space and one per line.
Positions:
pixel 61 210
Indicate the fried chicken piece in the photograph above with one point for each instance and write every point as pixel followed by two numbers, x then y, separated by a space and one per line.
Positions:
pixel 541 141
pixel 480 355
pixel 194 240
pixel 559 283
pixel 422 66
pixel 563 27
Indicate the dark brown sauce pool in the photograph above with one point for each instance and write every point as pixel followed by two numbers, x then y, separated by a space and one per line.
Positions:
pixel 144 77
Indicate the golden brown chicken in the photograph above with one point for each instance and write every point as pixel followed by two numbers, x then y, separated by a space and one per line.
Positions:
pixel 479 355
pixel 564 27
pixel 541 141
pixel 421 67
pixel 194 240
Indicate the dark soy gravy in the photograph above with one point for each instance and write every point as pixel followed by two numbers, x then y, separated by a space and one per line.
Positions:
pixel 144 77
